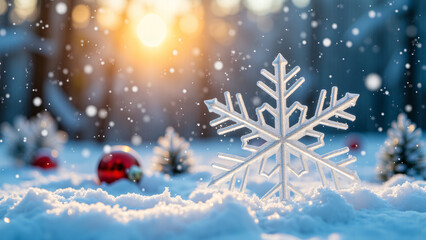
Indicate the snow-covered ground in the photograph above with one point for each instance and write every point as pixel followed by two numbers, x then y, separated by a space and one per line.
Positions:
pixel 68 203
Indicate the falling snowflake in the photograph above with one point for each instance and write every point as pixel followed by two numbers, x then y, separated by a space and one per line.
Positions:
pixel 282 139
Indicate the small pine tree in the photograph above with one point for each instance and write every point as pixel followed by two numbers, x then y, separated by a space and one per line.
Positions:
pixel 26 136
pixel 402 151
pixel 172 156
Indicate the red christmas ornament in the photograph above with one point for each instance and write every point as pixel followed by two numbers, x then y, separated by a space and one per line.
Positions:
pixel 45 158
pixel 354 143
pixel 121 162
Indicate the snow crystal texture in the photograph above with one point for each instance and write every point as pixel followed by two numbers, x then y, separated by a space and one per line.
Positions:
pixel 68 203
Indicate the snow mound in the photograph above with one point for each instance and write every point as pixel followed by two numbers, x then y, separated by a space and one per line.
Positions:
pixel 94 214
pixel 366 210
pixel 69 203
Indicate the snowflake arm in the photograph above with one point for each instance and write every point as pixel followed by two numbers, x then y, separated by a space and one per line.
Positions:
pixel 241 120
pixel 281 139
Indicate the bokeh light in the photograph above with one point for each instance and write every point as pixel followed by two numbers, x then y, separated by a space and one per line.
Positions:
pixel 152 30
pixel 220 30
pixel 189 23
pixel 61 8
pixel 222 8
pixel 25 8
pixel 373 82
pixel 108 18
pixel 301 3
pixel 116 5
pixel 80 15
pixel 3 6
pixel 263 7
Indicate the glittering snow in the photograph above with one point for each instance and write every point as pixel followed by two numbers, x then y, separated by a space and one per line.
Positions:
pixel 68 203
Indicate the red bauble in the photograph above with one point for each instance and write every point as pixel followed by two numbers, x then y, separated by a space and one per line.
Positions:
pixel 121 162
pixel 45 158
pixel 354 143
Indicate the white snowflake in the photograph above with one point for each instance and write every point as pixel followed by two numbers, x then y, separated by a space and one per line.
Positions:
pixel 281 139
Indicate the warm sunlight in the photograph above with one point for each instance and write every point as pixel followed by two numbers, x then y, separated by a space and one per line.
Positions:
pixel 152 30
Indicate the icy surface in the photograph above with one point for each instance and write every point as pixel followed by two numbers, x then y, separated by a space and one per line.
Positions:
pixel 68 203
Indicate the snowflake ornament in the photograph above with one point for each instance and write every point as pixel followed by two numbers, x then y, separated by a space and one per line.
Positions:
pixel 282 139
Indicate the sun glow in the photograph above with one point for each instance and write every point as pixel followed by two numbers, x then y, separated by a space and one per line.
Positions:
pixel 152 30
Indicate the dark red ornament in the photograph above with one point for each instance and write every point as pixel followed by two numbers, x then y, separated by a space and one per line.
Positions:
pixel 45 158
pixel 121 162
pixel 354 143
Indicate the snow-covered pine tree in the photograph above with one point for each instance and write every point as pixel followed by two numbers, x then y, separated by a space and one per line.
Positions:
pixel 26 136
pixel 402 151
pixel 172 156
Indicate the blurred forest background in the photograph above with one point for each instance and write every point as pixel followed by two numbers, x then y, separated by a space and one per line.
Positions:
pixel 86 62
